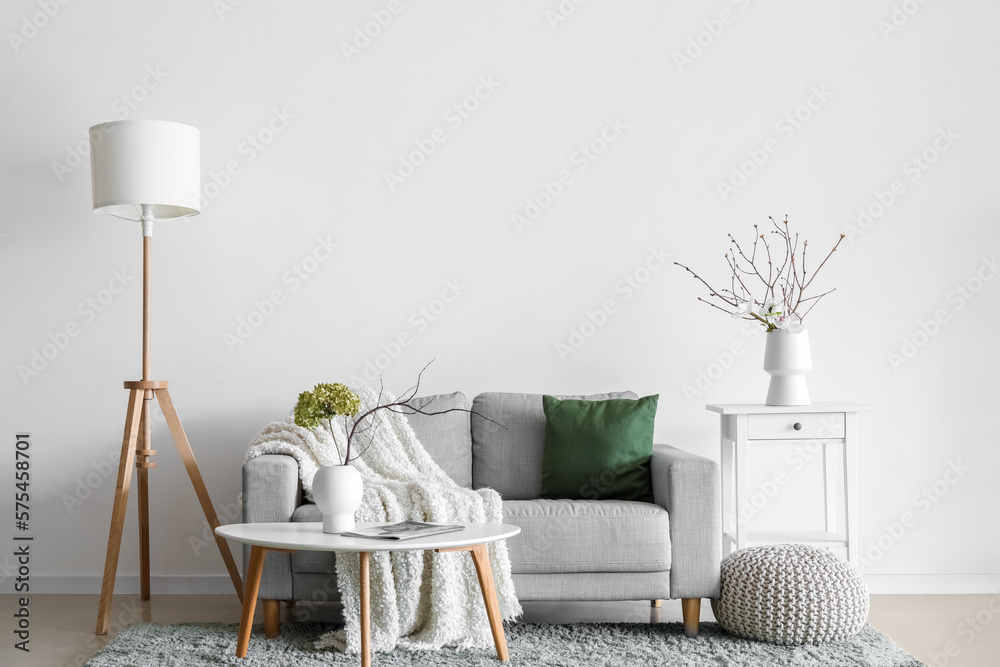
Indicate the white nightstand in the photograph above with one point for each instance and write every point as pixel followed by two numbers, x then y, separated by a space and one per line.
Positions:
pixel 820 427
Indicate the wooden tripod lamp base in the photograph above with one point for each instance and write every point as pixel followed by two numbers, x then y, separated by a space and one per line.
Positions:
pixel 136 443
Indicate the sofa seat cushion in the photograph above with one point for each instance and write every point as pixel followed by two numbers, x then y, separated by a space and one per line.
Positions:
pixel 563 536
pixel 558 536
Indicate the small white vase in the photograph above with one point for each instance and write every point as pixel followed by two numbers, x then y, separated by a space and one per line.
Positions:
pixel 337 492
pixel 786 360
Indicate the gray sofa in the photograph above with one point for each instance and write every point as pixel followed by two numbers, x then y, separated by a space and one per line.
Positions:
pixel 567 549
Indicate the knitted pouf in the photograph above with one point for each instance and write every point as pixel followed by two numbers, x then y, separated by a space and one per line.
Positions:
pixel 791 594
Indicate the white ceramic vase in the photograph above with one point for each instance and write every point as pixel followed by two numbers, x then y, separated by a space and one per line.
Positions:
pixel 786 360
pixel 337 492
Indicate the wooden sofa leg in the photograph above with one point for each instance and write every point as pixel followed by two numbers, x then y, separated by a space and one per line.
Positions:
pixel 655 603
pixel 272 618
pixel 691 609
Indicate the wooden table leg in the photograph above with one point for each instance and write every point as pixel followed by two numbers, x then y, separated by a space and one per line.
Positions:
pixel 366 655
pixel 254 570
pixel 481 558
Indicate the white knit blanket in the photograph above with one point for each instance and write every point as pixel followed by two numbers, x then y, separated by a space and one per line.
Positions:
pixel 402 482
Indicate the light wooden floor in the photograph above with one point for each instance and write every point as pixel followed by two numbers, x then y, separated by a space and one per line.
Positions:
pixel 62 626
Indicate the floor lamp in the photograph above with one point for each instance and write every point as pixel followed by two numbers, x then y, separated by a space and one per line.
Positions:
pixel 146 170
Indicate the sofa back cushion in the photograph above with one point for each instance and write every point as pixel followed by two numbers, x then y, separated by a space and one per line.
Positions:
pixel 510 460
pixel 445 437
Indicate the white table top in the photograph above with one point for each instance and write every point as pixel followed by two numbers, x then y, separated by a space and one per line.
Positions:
pixel 760 409
pixel 309 536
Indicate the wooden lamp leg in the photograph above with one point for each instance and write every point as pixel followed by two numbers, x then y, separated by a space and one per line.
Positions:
pixel 143 465
pixel 125 463
pixel 187 455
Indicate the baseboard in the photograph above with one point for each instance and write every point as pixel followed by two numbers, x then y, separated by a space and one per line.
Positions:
pixel 163 585
pixel 878 584
pixel 933 584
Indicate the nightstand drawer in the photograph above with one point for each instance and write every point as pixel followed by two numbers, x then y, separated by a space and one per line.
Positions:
pixel 806 425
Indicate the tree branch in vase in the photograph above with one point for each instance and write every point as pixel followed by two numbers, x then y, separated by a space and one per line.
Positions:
pixel 777 302
pixel 327 401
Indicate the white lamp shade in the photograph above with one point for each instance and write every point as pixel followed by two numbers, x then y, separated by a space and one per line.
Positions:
pixel 152 163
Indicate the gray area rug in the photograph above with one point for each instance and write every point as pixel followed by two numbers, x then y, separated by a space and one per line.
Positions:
pixel 605 644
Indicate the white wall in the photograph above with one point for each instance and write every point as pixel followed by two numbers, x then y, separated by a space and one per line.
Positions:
pixel 887 95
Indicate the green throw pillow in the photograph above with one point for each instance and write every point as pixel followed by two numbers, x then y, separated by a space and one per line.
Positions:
pixel 598 449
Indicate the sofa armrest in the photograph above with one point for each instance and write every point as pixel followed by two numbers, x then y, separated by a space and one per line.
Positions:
pixel 271 492
pixel 687 486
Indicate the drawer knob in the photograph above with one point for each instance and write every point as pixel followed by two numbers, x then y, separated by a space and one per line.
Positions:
pixel 797 426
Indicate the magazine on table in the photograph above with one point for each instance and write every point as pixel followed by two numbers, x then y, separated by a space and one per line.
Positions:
pixel 404 530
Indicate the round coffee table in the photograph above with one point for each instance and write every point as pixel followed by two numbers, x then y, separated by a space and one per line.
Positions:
pixel 291 537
